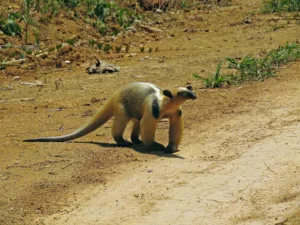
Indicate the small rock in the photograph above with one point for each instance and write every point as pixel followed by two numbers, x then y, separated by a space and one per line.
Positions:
pixel 27 99
pixel 247 21
pixel 151 29
pixel 39 83
pixel 43 55
pixel 16 78
pixel 36 83
pixel 131 29
pixel 132 55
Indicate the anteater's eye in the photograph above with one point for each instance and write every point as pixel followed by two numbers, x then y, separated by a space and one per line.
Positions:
pixel 181 94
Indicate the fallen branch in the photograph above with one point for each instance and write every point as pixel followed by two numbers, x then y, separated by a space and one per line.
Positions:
pixel 13 63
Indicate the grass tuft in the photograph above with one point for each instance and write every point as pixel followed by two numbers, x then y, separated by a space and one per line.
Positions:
pixel 216 80
pixel 272 6
pixel 253 69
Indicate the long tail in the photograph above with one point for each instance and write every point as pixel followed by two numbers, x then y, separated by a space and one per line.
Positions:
pixel 97 121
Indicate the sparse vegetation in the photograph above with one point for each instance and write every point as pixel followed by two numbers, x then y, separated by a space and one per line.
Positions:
pixel 9 26
pixel 92 42
pixel 71 41
pixel 110 13
pixel 216 80
pixel 251 69
pixel 107 17
pixel 99 45
pixel 58 46
pixel 271 6
pixel 107 48
pixel 118 49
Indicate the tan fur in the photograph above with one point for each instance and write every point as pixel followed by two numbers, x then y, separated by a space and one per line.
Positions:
pixel 143 103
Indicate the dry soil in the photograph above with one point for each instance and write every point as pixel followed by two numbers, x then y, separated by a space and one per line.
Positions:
pixel 239 162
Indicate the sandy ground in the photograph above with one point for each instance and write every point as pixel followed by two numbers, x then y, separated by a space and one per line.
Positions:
pixel 239 162
pixel 254 179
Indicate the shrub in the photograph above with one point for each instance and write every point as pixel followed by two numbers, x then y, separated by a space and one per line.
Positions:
pixel 9 26
pixel 271 6
pixel 251 69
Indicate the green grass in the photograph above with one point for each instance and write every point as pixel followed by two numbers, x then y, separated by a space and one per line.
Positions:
pixel 8 24
pixel 272 6
pixel 250 68
pixel 253 69
pixel 106 16
pixel 216 80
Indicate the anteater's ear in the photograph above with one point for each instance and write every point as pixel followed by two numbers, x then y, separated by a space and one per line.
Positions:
pixel 189 87
pixel 167 93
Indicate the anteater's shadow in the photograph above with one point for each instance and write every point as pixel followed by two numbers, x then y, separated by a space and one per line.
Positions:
pixel 136 147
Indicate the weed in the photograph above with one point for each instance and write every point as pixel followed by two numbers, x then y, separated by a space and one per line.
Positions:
pixel 29 52
pixel 71 41
pixel 118 49
pixel 36 36
pixel 110 12
pixel 71 3
pixel 284 54
pixel 115 31
pixel 142 49
pixel 99 45
pixel 51 49
pixel 150 50
pixel 8 45
pixel 25 16
pixel 251 69
pixel 107 48
pixel 216 80
pixel 9 26
pixel 92 42
pixel 106 16
pixel 271 6
pixel 58 46
pixel 18 55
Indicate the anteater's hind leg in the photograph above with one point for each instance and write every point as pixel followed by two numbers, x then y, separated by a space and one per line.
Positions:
pixel 119 125
pixel 148 128
pixel 136 133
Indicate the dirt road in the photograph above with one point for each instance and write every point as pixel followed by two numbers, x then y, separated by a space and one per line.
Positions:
pixel 239 162
pixel 243 170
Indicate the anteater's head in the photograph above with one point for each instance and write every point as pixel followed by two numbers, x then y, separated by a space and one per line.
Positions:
pixel 181 94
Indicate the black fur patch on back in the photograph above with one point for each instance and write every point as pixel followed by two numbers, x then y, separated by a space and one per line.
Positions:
pixel 155 108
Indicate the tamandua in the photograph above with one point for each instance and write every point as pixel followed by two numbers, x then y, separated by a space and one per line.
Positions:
pixel 143 103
